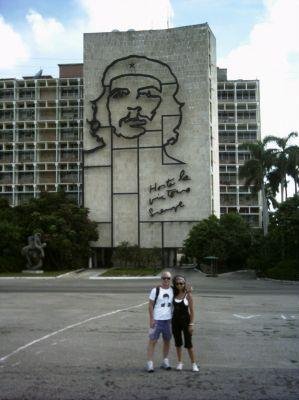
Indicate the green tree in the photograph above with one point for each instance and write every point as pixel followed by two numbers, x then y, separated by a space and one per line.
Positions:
pixel 293 165
pixel 284 230
pixel 227 238
pixel 11 241
pixel 204 240
pixel 10 246
pixel 255 171
pixel 64 226
pixel 283 163
pixel 237 239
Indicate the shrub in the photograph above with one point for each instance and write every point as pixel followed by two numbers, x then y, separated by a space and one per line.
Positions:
pixel 285 270
pixel 10 247
pixel 126 255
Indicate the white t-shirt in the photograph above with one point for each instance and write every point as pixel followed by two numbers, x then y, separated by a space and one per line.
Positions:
pixel 163 307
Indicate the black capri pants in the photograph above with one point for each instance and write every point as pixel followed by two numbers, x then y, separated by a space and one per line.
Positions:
pixel 179 327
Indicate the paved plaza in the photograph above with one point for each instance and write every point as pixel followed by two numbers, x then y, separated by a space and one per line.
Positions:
pixel 73 338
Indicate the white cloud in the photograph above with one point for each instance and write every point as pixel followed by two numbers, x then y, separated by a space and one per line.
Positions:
pixel 46 31
pixel 52 38
pixel 105 15
pixel 271 55
pixel 12 48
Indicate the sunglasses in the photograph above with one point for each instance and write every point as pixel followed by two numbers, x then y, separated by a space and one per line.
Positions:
pixel 180 283
pixel 166 278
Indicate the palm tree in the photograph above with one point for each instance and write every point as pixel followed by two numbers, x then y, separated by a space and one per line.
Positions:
pixel 282 163
pixel 255 171
pixel 293 165
pixel 271 196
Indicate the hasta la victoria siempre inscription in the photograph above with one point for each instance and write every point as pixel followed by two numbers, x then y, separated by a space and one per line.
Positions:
pixel 169 190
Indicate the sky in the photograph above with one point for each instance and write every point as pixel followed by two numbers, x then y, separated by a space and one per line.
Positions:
pixel 256 39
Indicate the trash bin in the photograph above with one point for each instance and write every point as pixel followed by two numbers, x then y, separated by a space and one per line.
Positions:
pixel 212 261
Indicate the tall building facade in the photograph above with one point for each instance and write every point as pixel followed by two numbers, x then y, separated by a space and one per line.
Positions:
pixel 151 137
pixel 238 124
pixel 41 125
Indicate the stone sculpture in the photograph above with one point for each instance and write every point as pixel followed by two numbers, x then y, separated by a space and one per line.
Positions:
pixel 34 252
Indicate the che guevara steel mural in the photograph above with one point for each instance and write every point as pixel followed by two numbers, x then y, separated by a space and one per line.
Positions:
pixel 138 98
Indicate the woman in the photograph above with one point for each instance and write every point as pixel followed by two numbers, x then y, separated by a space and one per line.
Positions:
pixel 183 321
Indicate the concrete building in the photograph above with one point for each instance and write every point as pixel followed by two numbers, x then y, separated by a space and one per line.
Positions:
pixel 41 129
pixel 151 142
pixel 239 122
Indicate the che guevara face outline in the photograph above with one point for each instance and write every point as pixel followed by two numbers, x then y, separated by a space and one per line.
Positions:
pixel 159 84
pixel 133 101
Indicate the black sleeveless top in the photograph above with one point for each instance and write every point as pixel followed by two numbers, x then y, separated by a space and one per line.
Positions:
pixel 180 310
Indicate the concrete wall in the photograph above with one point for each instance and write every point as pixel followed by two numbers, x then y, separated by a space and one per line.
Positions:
pixel 146 165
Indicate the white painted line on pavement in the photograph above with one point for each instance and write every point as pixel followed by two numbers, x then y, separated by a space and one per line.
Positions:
pixel 285 317
pixel 246 316
pixel 4 358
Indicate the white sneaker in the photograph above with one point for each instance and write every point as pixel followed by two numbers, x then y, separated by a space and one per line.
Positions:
pixel 150 366
pixel 165 364
pixel 179 367
pixel 195 368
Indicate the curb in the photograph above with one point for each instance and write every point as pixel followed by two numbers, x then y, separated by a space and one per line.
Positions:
pixel 28 277
pixel 102 278
pixel 279 280
pixel 43 277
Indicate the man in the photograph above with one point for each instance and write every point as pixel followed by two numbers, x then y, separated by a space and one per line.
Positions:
pixel 160 313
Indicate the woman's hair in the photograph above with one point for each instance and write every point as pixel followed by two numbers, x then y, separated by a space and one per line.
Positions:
pixel 175 289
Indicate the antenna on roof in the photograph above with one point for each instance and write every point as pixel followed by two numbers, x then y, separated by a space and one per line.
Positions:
pixel 38 74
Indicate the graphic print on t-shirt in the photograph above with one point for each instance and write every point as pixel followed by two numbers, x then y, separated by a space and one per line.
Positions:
pixel 166 301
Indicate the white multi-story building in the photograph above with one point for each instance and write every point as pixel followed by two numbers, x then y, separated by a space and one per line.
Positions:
pixel 41 135
pixel 238 123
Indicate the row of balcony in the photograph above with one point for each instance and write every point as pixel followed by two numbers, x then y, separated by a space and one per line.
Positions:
pixel 20 167
pixel 39 177
pixel 224 117
pixel 239 95
pixel 42 156
pixel 18 198
pixel 241 137
pixel 250 215
pixel 47 115
pixel 19 146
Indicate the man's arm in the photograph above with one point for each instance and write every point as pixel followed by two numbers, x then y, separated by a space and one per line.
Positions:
pixel 151 313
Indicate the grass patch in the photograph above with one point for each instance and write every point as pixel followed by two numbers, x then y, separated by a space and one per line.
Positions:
pixel 25 274
pixel 131 271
